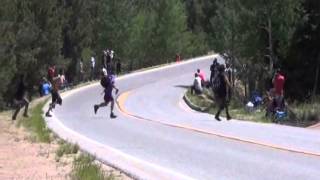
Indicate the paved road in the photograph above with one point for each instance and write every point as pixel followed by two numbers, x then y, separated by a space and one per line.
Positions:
pixel 167 136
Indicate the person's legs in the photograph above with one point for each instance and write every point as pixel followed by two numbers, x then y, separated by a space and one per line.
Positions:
pixel 52 105
pixel 221 107
pixel 111 108
pixel 227 111
pixel 26 104
pixel 18 107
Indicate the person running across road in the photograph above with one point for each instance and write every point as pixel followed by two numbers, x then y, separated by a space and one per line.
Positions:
pixel 221 88
pixel 20 99
pixel 56 98
pixel 108 83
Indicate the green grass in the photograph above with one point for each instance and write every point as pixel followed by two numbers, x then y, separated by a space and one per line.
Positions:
pixel 304 114
pixel 36 124
pixel 236 110
pixel 85 168
pixel 66 148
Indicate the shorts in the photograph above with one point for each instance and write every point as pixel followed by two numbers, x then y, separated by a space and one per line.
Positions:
pixel 108 98
pixel 56 98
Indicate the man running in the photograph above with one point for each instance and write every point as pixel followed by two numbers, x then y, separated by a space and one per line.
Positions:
pixel 20 100
pixel 56 98
pixel 108 83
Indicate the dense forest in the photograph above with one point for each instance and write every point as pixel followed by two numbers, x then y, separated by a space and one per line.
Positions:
pixel 258 36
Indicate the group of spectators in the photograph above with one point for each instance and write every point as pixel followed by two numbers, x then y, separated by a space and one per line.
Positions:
pixel 220 83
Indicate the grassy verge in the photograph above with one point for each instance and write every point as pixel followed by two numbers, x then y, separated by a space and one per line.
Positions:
pixel 36 125
pixel 236 110
pixel 66 148
pixel 301 115
pixel 84 167
pixel 304 114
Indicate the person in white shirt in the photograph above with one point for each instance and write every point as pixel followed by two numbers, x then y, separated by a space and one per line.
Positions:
pixel 93 64
pixel 197 88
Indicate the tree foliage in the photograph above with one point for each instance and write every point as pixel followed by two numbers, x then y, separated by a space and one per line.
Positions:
pixel 259 35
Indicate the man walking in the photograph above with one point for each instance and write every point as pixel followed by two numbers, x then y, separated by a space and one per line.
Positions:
pixel 221 92
pixel 108 83
pixel 20 99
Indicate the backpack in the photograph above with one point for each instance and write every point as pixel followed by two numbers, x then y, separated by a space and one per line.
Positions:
pixel 105 81
pixel 217 84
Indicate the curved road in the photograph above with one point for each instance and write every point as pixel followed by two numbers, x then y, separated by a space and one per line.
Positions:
pixel 156 136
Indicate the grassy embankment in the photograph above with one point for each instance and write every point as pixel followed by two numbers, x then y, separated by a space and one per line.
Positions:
pixel 84 166
pixel 299 114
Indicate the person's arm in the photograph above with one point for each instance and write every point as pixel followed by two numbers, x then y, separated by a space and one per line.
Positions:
pixel 114 87
pixel 228 87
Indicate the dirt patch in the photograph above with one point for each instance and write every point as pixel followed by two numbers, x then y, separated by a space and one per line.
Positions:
pixel 20 158
pixel 23 158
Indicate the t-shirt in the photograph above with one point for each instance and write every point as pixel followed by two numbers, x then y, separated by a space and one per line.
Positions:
pixel 93 62
pixel 51 72
pixel 279 84
pixel 202 76
pixel 197 83
pixel 46 88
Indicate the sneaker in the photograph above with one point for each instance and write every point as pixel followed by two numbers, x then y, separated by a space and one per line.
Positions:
pixel 112 116
pixel 95 107
pixel 48 114
pixel 13 118
pixel 229 117
pixel 217 118
pixel 26 115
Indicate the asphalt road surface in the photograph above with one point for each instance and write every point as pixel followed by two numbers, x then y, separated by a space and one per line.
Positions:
pixel 156 127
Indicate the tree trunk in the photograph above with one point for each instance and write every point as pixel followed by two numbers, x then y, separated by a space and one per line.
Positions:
pixel 271 54
pixel 316 80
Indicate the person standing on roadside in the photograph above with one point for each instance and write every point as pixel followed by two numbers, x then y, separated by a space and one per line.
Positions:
pixel 222 86
pixel 51 72
pixel 20 99
pixel 213 69
pixel 278 85
pixel 92 66
pixel 228 72
pixel 81 70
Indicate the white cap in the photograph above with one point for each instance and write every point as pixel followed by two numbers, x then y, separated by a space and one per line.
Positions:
pixel 104 71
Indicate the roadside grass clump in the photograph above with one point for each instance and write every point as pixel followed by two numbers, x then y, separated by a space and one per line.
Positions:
pixel 85 168
pixel 66 148
pixel 236 109
pixel 305 114
pixel 36 124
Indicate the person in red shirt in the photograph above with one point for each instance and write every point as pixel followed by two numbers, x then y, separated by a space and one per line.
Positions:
pixel 51 72
pixel 278 85
pixel 202 77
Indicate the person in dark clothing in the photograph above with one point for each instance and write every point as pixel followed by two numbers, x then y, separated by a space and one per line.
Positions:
pixel 221 95
pixel 228 72
pixel 56 98
pixel 213 69
pixel 108 83
pixel 118 66
pixel 20 99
